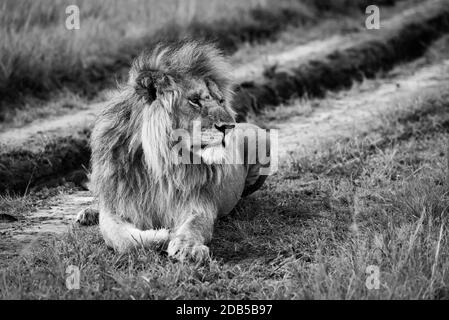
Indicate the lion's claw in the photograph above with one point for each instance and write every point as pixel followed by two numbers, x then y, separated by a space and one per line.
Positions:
pixel 184 250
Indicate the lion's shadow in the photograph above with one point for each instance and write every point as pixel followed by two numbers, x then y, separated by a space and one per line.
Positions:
pixel 257 222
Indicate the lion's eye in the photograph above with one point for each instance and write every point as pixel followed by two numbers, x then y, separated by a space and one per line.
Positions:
pixel 195 103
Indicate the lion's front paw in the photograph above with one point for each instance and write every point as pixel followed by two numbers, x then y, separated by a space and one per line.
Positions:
pixel 183 249
pixel 87 217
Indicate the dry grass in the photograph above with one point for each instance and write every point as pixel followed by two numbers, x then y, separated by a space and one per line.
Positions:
pixel 38 54
pixel 36 45
pixel 14 207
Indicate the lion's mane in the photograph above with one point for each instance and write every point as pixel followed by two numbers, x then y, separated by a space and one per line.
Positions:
pixel 133 174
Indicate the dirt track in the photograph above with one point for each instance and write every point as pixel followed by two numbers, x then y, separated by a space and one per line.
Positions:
pixel 402 39
pixel 354 114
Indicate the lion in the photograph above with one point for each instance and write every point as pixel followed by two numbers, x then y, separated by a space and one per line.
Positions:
pixel 146 195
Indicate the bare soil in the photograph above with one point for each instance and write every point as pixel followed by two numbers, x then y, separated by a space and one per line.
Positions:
pixel 352 113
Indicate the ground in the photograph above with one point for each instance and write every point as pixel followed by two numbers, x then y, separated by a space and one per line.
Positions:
pixel 362 182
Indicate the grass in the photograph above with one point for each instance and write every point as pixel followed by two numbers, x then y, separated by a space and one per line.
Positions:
pixel 39 55
pixel 14 207
pixel 379 199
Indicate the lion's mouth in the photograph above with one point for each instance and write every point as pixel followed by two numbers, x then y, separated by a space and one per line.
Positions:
pixel 211 138
pixel 215 137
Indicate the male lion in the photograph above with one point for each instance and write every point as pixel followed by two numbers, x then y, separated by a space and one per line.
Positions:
pixel 146 195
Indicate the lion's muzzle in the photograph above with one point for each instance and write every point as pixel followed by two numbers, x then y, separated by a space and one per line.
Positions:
pixel 216 135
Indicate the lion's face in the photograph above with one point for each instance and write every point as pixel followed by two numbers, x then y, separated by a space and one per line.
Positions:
pixel 187 89
pixel 202 112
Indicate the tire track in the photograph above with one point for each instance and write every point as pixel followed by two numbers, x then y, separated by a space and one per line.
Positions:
pixel 363 112
pixel 402 39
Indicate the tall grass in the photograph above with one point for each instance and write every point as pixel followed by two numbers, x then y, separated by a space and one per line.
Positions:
pixel 36 46
pixel 38 53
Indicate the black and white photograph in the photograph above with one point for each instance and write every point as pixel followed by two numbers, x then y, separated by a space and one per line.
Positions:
pixel 224 154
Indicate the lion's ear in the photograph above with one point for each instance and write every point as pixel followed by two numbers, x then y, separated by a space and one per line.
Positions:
pixel 150 83
pixel 146 85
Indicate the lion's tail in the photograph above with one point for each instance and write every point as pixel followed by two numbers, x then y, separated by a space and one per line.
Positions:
pixel 123 236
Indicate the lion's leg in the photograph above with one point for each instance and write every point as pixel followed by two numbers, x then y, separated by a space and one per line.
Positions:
pixel 123 236
pixel 192 233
